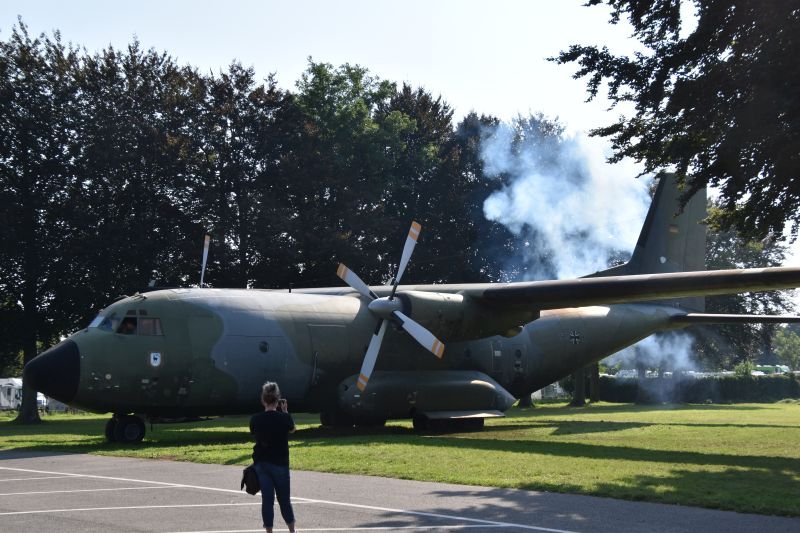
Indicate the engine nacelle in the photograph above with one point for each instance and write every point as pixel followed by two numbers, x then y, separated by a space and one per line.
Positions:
pixel 455 317
pixel 402 394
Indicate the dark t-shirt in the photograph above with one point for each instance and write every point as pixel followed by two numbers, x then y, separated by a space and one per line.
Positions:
pixel 270 430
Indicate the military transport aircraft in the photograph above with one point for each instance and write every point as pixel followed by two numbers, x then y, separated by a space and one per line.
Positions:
pixel 204 351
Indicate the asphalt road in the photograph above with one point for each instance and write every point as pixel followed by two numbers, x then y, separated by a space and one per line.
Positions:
pixel 85 493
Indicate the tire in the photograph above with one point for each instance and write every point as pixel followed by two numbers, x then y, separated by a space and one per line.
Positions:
pixel 336 419
pixel 129 429
pixel 370 422
pixel 111 427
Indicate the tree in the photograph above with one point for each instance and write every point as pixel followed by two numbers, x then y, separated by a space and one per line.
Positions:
pixel 235 186
pixel 787 347
pixel 717 104
pixel 723 346
pixel 336 163
pixel 37 145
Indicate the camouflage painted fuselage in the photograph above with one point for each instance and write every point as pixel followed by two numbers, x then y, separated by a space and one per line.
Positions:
pixel 217 346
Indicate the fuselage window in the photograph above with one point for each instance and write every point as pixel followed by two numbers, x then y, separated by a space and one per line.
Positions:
pixel 150 326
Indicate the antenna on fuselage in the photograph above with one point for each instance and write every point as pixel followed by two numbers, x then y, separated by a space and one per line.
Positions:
pixel 205 257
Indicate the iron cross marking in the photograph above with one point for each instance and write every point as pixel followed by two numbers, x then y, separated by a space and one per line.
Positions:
pixel 575 337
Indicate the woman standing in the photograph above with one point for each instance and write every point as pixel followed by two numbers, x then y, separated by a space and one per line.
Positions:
pixel 270 430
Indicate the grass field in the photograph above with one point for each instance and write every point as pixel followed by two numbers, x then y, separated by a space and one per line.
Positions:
pixel 743 457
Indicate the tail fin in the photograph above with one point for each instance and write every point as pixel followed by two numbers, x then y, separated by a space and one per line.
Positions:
pixel 670 242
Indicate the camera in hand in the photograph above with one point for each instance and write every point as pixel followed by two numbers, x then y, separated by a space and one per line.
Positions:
pixel 282 405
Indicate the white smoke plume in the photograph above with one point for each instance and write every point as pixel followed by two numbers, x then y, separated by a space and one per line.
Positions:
pixel 579 209
pixel 671 351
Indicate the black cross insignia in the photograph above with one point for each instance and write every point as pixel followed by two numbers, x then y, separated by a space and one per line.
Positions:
pixel 575 337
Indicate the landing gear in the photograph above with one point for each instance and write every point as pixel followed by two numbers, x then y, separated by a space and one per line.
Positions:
pixel 336 418
pixel 126 429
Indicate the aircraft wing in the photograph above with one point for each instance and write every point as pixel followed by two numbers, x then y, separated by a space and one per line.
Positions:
pixel 583 292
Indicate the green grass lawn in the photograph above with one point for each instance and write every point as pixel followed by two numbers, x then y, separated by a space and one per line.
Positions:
pixel 743 457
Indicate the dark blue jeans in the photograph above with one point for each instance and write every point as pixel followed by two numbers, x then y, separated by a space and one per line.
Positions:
pixel 274 480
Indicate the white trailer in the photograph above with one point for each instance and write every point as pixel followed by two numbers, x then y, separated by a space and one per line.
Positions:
pixel 10 393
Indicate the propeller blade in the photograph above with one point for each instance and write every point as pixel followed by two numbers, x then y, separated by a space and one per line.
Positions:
pixel 371 356
pixel 352 279
pixel 408 249
pixel 206 242
pixel 420 334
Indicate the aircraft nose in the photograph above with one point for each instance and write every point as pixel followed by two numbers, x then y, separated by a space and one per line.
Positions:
pixel 55 372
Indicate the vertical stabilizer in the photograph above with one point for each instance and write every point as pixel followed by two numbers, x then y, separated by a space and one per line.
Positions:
pixel 670 242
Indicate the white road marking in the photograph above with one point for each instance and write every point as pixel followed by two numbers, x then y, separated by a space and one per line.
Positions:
pixel 32 478
pixel 482 522
pixel 128 507
pixel 78 490
pixel 370 528
pixel 129 480
pixel 436 515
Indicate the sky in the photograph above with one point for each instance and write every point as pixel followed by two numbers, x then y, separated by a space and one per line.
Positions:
pixel 490 57
pixel 484 56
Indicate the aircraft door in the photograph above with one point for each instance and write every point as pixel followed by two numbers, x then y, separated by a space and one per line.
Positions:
pixel 330 349
pixel 252 360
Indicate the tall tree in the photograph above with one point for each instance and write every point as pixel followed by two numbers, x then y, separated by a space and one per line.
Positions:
pixel 132 165
pixel 36 152
pixel 236 182
pixel 487 244
pixel 724 346
pixel 716 104
pixel 336 164
pixel 787 347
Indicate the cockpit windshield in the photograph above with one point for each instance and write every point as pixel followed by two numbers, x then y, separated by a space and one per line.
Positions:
pixel 107 323
pixel 129 325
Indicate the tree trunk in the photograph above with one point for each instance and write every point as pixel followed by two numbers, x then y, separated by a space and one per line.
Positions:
pixel 29 411
pixel 579 396
pixel 594 382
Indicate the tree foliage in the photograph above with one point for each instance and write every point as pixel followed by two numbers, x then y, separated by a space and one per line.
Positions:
pixel 716 104
pixel 114 165
pixel 724 346
pixel 787 347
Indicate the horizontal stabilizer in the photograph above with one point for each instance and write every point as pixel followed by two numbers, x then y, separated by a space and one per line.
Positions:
pixel 706 318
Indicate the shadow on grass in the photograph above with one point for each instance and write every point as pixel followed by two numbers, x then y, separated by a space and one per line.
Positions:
pixel 761 484
pixel 744 490
pixel 594 408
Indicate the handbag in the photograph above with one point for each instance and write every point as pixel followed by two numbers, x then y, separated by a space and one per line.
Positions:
pixel 250 480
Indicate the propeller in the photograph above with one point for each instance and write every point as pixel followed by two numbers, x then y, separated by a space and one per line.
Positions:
pixel 206 242
pixel 388 308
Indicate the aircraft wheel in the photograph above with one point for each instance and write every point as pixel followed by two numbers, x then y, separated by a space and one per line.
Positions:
pixel 473 424
pixel 326 418
pixel 336 419
pixel 111 427
pixel 421 422
pixel 370 422
pixel 129 429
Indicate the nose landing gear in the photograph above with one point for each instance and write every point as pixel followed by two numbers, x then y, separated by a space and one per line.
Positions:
pixel 125 429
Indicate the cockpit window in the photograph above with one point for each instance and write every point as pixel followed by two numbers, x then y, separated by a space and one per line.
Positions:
pixel 150 326
pixel 127 326
pixel 131 325
pixel 107 323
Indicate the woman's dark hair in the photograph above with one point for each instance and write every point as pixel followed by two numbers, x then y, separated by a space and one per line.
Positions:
pixel 270 393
